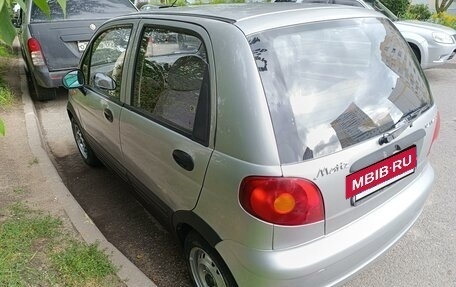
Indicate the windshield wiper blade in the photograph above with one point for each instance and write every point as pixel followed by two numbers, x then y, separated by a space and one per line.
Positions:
pixel 401 125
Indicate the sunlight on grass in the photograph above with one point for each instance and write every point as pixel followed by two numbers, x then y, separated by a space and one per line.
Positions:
pixel 5 51
pixel 83 263
pixel 35 251
pixel 17 237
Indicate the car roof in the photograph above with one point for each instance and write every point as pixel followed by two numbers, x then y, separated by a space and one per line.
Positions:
pixel 253 17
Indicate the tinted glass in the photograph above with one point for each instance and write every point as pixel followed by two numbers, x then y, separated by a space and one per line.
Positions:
pixel 108 56
pixel 334 84
pixel 170 75
pixel 86 9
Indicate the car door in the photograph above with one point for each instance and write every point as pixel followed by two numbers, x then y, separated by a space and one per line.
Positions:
pixel 99 106
pixel 165 126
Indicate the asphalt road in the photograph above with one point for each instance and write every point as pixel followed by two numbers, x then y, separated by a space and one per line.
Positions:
pixel 426 256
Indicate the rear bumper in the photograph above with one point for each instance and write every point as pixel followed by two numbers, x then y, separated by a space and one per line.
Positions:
pixel 439 54
pixel 332 259
pixel 48 79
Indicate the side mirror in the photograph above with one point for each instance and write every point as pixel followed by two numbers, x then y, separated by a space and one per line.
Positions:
pixel 104 82
pixel 73 79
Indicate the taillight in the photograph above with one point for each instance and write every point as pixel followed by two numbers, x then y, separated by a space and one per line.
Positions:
pixel 436 133
pixel 34 48
pixel 281 200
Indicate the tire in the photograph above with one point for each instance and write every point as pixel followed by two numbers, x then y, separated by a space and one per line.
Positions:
pixel 40 93
pixel 205 265
pixel 84 149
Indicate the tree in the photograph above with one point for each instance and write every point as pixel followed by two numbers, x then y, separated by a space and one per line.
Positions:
pixel 398 7
pixel 442 5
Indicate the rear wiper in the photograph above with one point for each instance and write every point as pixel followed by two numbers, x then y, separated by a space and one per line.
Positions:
pixel 402 124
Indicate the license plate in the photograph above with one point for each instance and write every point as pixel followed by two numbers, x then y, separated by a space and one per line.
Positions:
pixel 374 177
pixel 82 45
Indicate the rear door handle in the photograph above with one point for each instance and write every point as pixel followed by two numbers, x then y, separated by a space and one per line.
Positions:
pixel 108 114
pixel 183 159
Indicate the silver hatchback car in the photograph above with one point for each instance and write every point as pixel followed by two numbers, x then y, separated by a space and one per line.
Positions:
pixel 284 145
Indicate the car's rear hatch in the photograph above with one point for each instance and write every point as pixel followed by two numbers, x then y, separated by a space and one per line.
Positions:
pixel 63 37
pixel 351 110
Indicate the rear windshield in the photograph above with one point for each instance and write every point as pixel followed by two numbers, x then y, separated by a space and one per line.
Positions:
pixel 331 85
pixel 84 9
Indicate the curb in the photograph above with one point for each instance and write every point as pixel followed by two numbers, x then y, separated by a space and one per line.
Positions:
pixel 127 272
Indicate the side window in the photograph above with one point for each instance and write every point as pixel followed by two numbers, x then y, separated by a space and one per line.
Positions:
pixel 107 61
pixel 171 78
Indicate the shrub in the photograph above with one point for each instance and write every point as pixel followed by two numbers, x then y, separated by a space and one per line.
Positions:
pixel 444 19
pixel 398 7
pixel 418 12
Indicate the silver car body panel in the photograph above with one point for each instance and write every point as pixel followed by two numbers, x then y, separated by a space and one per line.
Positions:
pixel 420 33
pixel 332 259
pixel 432 52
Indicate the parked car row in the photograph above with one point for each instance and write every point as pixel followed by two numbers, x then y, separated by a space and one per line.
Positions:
pixel 272 166
pixel 52 45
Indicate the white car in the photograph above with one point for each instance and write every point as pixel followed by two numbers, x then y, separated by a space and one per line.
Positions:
pixel 432 44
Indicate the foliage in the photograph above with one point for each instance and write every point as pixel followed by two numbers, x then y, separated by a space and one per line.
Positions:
pixel 6 96
pixel 398 7
pixel 80 262
pixel 418 12
pixel 442 5
pixel 2 128
pixel 445 19
pixel 35 251
pixel 18 238
pixel 5 51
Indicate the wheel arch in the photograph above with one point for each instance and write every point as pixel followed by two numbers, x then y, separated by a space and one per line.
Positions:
pixel 186 221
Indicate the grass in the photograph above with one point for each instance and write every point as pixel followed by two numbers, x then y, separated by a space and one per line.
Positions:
pixel 19 190
pixel 33 161
pixel 5 51
pixel 6 96
pixel 81 263
pixel 35 251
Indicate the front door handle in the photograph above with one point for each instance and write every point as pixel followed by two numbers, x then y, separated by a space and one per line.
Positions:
pixel 183 159
pixel 108 115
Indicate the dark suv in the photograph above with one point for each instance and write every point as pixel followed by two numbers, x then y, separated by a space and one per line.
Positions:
pixel 52 45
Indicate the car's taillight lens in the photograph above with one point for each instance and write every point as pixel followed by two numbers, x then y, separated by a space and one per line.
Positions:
pixel 34 48
pixel 281 200
pixel 436 133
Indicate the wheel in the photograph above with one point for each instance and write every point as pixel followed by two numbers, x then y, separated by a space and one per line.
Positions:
pixel 40 93
pixel 205 265
pixel 85 150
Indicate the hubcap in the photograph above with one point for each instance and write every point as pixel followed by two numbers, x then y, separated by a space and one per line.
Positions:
pixel 204 269
pixel 80 142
